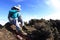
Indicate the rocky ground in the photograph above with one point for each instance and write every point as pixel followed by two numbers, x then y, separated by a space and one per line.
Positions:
pixel 36 29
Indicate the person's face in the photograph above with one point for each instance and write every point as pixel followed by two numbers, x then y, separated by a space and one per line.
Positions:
pixel 18 10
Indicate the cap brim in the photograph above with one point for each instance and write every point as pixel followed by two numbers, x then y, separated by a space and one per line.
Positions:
pixel 18 8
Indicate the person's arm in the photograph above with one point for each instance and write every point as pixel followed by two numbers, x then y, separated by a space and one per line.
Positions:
pixel 18 14
pixel 9 16
pixel 19 18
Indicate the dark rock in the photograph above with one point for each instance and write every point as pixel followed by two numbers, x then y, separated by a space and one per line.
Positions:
pixel 1 26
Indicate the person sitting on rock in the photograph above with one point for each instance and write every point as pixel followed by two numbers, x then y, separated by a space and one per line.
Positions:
pixel 14 18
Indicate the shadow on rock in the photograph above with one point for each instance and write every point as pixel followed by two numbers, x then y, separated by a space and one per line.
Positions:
pixel 1 26
pixel 9 28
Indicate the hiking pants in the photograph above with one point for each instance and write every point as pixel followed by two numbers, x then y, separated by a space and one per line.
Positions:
pixel 16 23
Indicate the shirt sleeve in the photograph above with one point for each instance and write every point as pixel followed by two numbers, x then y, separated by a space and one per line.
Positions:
pixel 18 14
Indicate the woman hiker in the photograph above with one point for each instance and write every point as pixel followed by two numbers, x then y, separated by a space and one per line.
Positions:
pixel 13 17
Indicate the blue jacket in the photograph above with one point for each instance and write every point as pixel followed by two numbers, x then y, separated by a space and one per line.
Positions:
pixel 14 14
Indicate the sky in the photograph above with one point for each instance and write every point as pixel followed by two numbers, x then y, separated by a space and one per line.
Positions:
pixel 31 9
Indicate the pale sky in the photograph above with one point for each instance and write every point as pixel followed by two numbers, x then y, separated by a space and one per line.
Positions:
pixel 31 9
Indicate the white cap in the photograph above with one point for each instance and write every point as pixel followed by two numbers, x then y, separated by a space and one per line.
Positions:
pixel 18 7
